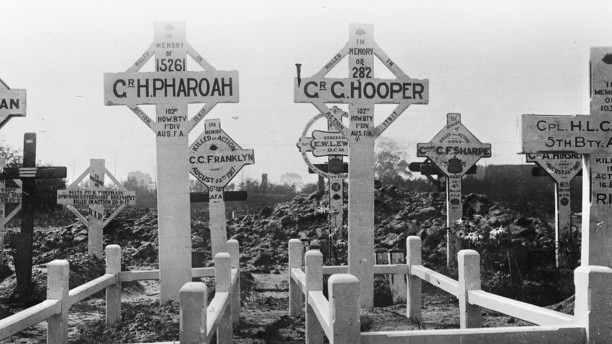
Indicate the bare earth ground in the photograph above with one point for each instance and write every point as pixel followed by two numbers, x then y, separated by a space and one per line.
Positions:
pixel 263 319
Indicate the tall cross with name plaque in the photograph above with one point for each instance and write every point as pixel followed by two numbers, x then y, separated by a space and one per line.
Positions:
pixel 171 88
pixel 361 91
pixel 588 135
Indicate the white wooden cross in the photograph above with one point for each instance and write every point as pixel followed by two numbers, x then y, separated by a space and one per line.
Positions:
pixel 589 135
pixel 361 91
pixel 171 88
pixel 214 159
pixel 95 196
pixel 454 150
pixel 562 168
pixel 333 145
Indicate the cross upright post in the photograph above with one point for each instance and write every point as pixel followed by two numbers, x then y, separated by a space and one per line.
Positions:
pixel 171 88
pixel 361 91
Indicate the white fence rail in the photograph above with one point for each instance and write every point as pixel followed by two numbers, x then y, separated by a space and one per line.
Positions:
pixel 589 325
pixel 197 326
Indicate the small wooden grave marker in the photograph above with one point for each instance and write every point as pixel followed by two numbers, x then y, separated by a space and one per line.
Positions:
pixel 361 91
pixel 454 150
pixel 171 88
pixel 562 168
pixel 12 103
pixel 96 197
pixel 588 135
pixel 8 195
pixel 215 158
pixel 429 170
pixel 28 174
pixel 333 145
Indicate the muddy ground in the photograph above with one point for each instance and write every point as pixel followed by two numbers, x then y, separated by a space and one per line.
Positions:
pixel 516 254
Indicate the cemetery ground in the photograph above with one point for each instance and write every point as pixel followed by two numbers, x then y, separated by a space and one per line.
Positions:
pixel 517 255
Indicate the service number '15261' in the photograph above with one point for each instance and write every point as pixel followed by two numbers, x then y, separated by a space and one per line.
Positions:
pixel 170 65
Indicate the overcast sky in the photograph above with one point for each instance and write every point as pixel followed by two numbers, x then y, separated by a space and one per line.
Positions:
pixel 491 61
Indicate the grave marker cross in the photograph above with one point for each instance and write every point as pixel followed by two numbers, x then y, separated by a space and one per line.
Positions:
pixel 215 158
pixel 28 174
pixel 454 150
pixel 588 135
pixel 95 197
pixel 171 88
pixel 8 195
pixel 361 91
pixel 562 168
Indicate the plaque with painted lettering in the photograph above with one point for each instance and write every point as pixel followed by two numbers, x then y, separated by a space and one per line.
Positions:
pixel 131 88
pixel 581 134
pixel 105 197
pixel 326 143
pixel 10 195
pixel 454 149
pixel 215 158
pixel 560 166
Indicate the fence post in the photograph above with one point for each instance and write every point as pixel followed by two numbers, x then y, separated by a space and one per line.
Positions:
pixel 344 309
pixel 57 289
pixel 113 292
pixel 314 282
pixel 223 283
pixel 194 303
pixel 296 295
pixel 469 279
pixel 413 296
pixel 234 250
pixel 594 301
pixel 398 281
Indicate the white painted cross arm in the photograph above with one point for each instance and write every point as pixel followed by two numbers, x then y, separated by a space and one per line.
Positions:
pixel 131 88
pixel 402 90
pixel 583 134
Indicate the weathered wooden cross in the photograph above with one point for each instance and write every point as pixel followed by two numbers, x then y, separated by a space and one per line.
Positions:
pixel 429 169
pixel 361 91
pixel 562 168
pixel 28 174
pixel 171 88
pixel 589 135
pixel 454 150
pixel 95 197
pixel 333 145
pixel 214 159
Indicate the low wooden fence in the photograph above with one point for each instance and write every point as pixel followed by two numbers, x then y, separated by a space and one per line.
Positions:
pixel 197 325
pixel 337 317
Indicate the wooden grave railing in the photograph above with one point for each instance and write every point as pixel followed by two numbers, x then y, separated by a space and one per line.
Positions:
pixel 588 325
pixel 197 326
